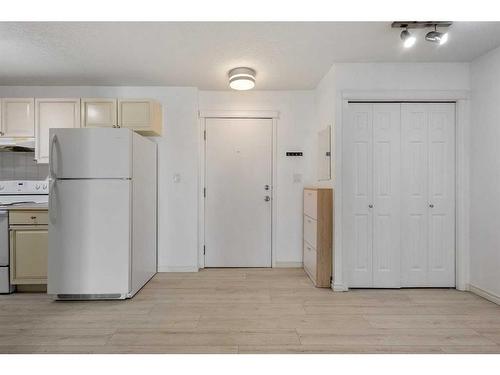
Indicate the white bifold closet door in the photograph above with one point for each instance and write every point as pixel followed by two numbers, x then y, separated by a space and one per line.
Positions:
pixel 428 193
pixel 371 220
pixel 398 194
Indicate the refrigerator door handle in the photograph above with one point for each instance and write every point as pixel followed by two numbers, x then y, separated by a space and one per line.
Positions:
pixel 52 185
pixel 52 161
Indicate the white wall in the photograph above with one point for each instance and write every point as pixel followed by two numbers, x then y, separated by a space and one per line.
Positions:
pixel 378 77
pixel 485 173
pixel 177 153
pixel 296 132
pixel 382 77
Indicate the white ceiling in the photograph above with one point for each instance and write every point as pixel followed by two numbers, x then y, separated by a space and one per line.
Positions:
pixel 285 55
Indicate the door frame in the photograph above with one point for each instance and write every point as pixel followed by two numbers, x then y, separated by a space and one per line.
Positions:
pixel 461 98
pixel 244 114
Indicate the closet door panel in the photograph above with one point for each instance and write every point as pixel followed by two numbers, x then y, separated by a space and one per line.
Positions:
pixel 386 195
pixel 428 195
pixel 441 262
pixel 357 184
pixel 414 187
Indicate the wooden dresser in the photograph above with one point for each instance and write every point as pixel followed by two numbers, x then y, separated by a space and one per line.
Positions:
pixel 318 238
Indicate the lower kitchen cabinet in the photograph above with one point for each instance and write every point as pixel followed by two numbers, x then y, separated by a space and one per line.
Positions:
pixel 28 252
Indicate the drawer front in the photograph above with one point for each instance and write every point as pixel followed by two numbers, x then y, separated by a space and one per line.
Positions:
pixel 28 217
pixel 310 260
pixel 310 203
pixel 310 230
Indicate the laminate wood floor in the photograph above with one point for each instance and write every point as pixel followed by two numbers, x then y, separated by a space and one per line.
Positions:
pixel 252 311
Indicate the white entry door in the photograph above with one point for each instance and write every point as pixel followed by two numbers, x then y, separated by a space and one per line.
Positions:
pixel 428 190
pixel 371 188
pixel 238 192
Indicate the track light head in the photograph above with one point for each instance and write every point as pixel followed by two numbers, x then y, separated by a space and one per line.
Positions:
pixel 408 39
pixel 436 36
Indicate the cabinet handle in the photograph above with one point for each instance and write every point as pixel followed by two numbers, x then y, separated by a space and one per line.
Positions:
pixel 33 217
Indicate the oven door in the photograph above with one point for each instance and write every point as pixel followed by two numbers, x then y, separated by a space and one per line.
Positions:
pixel 4 238
pixel 5 286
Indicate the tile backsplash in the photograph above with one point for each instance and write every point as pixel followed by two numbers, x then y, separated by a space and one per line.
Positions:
pixel 21 166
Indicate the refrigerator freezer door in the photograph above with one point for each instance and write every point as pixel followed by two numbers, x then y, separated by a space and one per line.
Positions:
pixel 89 239
pixel 90 153
pixel 4 238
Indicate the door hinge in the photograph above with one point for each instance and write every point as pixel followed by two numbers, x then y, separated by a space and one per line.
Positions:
pixel 205 135
pixel 203 249
pixel 204 192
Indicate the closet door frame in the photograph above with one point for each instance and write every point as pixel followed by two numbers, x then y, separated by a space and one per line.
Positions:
pixel 461 98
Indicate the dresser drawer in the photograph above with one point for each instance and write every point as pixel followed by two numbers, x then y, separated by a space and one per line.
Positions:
pixel 311 203
pixel 310 260
pixel 310 231
pixel 28 217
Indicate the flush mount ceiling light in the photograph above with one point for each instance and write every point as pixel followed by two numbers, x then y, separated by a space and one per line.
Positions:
pixel 432 36
pixel 436 37
pixel 408 39
pixel 242 78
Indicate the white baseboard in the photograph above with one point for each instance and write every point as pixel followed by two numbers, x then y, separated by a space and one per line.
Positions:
pixel 288 265
pixel 337 287
pixel 177 269
pixel 485 294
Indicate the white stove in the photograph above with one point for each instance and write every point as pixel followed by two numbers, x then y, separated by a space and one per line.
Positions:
pixel 23 191
pixel 11 194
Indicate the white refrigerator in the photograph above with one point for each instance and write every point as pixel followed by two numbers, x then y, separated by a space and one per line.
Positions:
pixel 102 213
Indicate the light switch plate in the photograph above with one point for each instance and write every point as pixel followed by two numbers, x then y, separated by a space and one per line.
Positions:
pixel 297 178
pixel 177 178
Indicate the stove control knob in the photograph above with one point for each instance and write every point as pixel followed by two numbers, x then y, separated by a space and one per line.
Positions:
pixel 2 187
pixel 37 186
pixel 44 186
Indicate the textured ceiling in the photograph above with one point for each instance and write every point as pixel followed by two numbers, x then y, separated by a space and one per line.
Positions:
pixel 285 55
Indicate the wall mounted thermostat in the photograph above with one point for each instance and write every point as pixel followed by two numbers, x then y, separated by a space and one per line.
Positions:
pixel 294 153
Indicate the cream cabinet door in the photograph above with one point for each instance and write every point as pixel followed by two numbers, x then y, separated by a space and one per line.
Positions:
pixel 141 115
pixel 18 119
pixel 53 113
pixel 100 113
pixel 29 254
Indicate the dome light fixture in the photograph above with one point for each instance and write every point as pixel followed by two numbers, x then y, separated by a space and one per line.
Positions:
pixel 408 39
pixel 436 36
pixel 242 78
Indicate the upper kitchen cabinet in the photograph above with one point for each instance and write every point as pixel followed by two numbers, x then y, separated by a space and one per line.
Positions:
pixel 100 113
pixel 17 117
pixel 141 115
pixel 53 113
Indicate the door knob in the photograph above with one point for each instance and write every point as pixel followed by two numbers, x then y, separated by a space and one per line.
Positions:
pixel 431 205
pixel 267 198
pixel 370 206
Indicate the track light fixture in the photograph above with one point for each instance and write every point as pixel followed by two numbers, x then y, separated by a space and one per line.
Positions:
pixel 433 36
